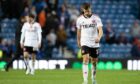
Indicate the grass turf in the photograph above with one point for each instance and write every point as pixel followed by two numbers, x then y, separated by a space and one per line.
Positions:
pixel 68 76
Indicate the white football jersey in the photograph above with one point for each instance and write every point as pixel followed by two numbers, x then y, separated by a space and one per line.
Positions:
pixel 31 34
pixel 89 30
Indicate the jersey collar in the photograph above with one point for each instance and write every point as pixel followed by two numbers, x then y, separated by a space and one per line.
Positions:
pixel 87 16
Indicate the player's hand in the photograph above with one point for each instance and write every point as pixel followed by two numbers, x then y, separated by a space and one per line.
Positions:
pixel 39 45
pixel 97 40
pixel 21 45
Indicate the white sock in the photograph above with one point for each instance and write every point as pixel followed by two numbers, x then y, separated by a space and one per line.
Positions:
pixel 33 64
pixel 27 63
pixel 93 72
pixel 85 72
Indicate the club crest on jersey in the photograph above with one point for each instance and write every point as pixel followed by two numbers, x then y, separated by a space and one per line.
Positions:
pixel 93 21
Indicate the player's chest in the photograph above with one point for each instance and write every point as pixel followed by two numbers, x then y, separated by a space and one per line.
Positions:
pixel 31 28
pixel 88 23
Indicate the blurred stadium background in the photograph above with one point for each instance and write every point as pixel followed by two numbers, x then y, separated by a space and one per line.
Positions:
pixel 120 45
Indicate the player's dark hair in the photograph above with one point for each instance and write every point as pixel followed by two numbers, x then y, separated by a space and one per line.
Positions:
pixel 86 6
pixel 32 15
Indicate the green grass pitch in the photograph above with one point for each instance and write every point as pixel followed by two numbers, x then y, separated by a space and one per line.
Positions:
pixel 68 76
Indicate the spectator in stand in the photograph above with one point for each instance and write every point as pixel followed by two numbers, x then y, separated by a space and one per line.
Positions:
pixel 109 33
pixel 39 4
pixel 122 39
pixel 51 22
pixel 42 18
pixel 11 47
pixel 61 39
pixel 51 43
pixel 135 51
pixel 135 30
pixel 33 11
pixel 26 11
pixel 64 16
pixel 7 47
pixel 52 5
pixel 4 47
pixel 74 13
pixel 72 29
pixel 13 8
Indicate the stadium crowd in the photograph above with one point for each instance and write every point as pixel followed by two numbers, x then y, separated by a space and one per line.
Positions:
pixel 58 25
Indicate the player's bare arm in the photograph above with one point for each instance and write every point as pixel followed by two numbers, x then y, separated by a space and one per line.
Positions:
pixel 78 37
pixel 100 34
pixel 21 40
pixel 40 37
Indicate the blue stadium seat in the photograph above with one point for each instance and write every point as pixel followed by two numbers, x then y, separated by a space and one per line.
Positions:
pixel 6 20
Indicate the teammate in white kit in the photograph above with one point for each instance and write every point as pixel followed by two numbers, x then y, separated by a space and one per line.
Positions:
pixel 30 42
pixel 89 33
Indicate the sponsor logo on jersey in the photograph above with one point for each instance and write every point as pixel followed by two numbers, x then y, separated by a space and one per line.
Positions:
pixel 89 25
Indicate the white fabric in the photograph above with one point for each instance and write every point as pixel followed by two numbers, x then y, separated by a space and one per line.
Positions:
pixel 31 34
pixel 85 72
pixel 89 30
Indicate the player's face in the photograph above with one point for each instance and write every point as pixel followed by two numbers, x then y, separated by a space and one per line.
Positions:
pixel 31 19
pixel 26 18
pixel 87 12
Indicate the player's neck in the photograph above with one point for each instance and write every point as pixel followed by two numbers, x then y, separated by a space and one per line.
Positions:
pixel 32 22
pixel 87 16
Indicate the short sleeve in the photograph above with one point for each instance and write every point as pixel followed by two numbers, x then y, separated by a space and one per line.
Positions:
pixel 39 28
pixel 99 22
pixel 78 25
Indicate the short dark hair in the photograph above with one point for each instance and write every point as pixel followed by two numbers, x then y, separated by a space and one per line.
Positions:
pixel 32 15
pixel 86 6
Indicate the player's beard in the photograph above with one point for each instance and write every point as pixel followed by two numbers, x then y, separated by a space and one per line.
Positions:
pixel 89 15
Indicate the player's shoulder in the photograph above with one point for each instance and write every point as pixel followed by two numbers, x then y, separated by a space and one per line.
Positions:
pixel 25 25
pixel 96 16
pixel 36 23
